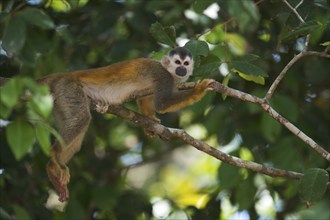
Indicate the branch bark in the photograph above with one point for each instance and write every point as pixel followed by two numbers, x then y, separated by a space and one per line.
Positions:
pixel 169 133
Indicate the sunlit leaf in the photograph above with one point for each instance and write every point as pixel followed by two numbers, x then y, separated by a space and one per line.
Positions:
pixel 42 104
pixel 20 137
pixel 216 35
pixel 257 79
pixel 59 5
pixel 236 43
pixel 11 91
pixel 327 43
pixel 43 137
pixel 313 184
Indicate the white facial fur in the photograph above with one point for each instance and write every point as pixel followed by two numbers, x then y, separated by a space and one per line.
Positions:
pixel 172 63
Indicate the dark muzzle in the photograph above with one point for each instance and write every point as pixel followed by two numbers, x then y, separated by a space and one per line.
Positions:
pixel 181 71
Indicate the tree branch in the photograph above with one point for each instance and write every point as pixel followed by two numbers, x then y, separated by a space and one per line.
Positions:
pixel 218 87
pixel 169 133
pixel 279 78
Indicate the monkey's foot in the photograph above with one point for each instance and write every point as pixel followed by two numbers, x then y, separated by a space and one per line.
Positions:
pixel 101 108
pixel 61 189
pixel 60 177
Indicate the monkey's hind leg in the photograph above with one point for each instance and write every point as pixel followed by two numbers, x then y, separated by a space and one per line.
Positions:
pixel 71 110
pixel 146 107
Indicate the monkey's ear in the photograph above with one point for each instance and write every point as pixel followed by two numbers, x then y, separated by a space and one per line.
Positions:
pixel 165 61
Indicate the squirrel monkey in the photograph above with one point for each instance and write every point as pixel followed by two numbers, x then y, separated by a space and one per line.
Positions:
pixel 73 93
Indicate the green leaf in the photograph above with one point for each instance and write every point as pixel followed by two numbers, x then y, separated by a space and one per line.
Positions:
pixel 207 68
pixel 4 111
pixel 43 137
pixel 59 5
pixel 11 91
pixel 42 105
pixel 225 82
pixel 37 17
pixel 313 184
pixel 249 57
pixel 270 128
pixel 200 5
pixel 21 213
pixel 197 47
pixel 286 106
pixel 247 68
pixel 302 30
pixel 257 79
pixel 229 176
pixel 163 35
pixel 327 43
pixel 14 35
pixel 247 189
pixel 245 12
pixel 20 137
pixel 248 71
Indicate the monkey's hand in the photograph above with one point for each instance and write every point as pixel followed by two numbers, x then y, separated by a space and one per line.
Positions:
pixel 205 84
pixel 60 177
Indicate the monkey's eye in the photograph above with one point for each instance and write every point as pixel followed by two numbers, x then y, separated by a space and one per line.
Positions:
pixel 178 62
pixel 186 63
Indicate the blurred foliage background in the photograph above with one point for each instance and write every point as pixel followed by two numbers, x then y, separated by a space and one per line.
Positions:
pixel 120 173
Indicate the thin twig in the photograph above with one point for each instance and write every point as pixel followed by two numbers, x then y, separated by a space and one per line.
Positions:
pixel 279 78
pixel 294 10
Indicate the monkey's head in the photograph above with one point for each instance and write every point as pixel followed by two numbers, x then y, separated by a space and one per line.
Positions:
pixel 179 63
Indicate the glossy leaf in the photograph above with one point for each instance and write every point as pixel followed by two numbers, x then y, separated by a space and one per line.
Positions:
pixel 14 35
pixel 313 184
pixel 20 137
pixel 37 17
pixel 162 35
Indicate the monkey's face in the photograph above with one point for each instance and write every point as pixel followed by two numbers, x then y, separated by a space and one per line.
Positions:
pixel 179 64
